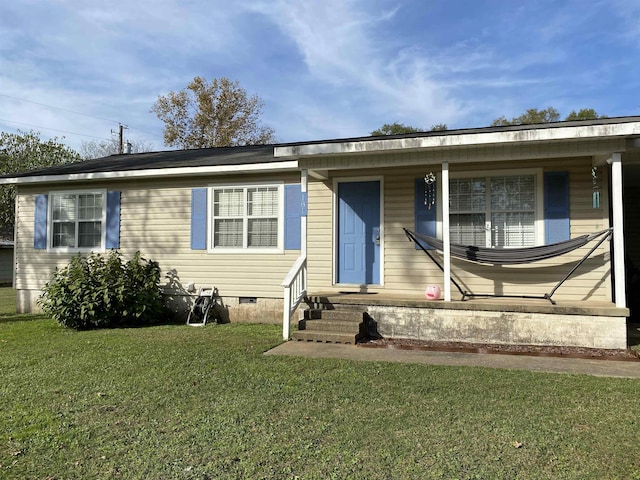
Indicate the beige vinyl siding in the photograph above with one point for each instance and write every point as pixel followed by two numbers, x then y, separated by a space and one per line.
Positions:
pixel 320 233
pixel 407 271
pixel 156 219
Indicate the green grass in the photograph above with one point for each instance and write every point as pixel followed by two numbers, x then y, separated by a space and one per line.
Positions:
pixel 195 403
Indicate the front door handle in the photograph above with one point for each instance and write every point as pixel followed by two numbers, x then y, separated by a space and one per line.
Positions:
pixel 376 236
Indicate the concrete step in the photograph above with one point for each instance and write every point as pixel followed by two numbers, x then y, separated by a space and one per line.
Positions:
pixel 325 337
pixel 322 325
pixel 321 303
pixel 338 315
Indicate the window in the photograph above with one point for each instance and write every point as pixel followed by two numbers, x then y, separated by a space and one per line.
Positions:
pixel 77 220
pixel 496 211
pixel 246 217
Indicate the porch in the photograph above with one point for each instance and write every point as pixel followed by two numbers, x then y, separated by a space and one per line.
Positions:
pixel 479 320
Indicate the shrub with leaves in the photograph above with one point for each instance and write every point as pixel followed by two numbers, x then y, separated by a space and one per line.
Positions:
pixel 98 291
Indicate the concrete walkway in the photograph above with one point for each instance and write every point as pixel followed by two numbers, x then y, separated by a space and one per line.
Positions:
pixel 603 368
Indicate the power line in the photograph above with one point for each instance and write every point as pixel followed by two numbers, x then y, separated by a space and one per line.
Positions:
pixel 148 133
pixel 75 113
pixel 54 129
pixel 57 108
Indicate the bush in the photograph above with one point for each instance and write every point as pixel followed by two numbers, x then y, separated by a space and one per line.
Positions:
pixel 100 291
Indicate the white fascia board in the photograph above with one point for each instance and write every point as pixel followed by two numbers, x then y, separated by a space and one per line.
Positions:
pixel 462 140
pixel 291 165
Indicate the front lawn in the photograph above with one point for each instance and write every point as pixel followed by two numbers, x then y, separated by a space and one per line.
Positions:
pixel 202 403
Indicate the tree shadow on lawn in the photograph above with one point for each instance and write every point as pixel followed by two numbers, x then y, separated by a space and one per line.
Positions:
pixel 21 317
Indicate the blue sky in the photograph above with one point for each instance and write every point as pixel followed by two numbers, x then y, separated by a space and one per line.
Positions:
pixel 325 69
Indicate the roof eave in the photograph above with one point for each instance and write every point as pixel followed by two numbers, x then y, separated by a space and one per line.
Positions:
pixel 289 165
pixel 463 139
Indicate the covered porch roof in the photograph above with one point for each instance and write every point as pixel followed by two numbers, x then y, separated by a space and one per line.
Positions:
pixel 597 139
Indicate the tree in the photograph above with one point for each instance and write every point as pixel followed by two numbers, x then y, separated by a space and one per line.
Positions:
pixel 584 114
pixel 93 149
pixel 396 128
pixel 20 152
pixel 532 115
pixel 216 114
pixel 547 115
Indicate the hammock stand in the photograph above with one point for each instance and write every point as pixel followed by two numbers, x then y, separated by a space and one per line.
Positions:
pixel 511 256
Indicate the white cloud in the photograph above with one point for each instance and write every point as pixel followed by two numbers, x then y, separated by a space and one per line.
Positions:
pixel 342 46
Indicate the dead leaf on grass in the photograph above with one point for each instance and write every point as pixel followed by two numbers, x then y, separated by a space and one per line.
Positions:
pixel 518 444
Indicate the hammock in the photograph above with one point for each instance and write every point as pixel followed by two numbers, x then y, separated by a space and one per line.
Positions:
pixel 510 256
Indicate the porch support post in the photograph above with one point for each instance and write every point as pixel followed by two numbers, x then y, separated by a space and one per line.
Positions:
pixel 445 232
pixel 303 219
pixel 618 230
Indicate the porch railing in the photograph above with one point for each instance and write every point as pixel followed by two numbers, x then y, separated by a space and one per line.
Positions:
pixel 295 288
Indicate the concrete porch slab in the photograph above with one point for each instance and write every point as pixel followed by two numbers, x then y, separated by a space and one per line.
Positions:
pixel 484 304
pixel 492 321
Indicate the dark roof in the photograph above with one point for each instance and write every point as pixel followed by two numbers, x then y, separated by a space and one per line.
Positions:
pixel 200 157
pixel 248 155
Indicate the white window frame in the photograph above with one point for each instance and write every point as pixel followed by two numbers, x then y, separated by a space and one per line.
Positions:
pixel 538 174
pixel 103 220
pixel 245 249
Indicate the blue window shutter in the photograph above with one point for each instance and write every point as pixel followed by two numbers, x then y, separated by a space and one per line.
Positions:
pixel 40 224
pixel 293 211
pixel 199 219
pixel 556 206
pixel 113 220
pixel 425 216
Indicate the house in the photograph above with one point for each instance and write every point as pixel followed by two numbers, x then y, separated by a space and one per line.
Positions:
pixel 322 222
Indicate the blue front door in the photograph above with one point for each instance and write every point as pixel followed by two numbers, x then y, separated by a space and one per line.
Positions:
pixel 359 233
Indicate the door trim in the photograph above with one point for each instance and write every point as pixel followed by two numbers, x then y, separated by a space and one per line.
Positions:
pixel 334 221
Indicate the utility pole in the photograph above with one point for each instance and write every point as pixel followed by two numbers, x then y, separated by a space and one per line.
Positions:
pixel 121 129
pixel 121 140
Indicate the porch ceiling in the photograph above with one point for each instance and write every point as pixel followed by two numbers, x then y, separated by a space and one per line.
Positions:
pixel 600 148
pixel 593 138
pixel 625 127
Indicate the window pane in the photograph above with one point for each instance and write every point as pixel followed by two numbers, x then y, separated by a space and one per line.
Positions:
pixel 89 234
pixel 228 202
pixel 64 234
pixel 468 229
pixel 64 207
pixel 90 206
pixel 513 229
pixel 263 232
pixel 467 195
pixel 513 193
pixel 227 233
pixel 262 201
pixel 245 217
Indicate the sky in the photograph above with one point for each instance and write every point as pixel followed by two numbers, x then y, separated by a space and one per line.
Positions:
pixel 325 69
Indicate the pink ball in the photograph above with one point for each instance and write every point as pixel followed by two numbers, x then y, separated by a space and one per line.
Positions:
pixel 432 292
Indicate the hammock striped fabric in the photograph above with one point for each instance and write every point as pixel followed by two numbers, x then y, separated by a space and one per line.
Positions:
pixel 508 256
